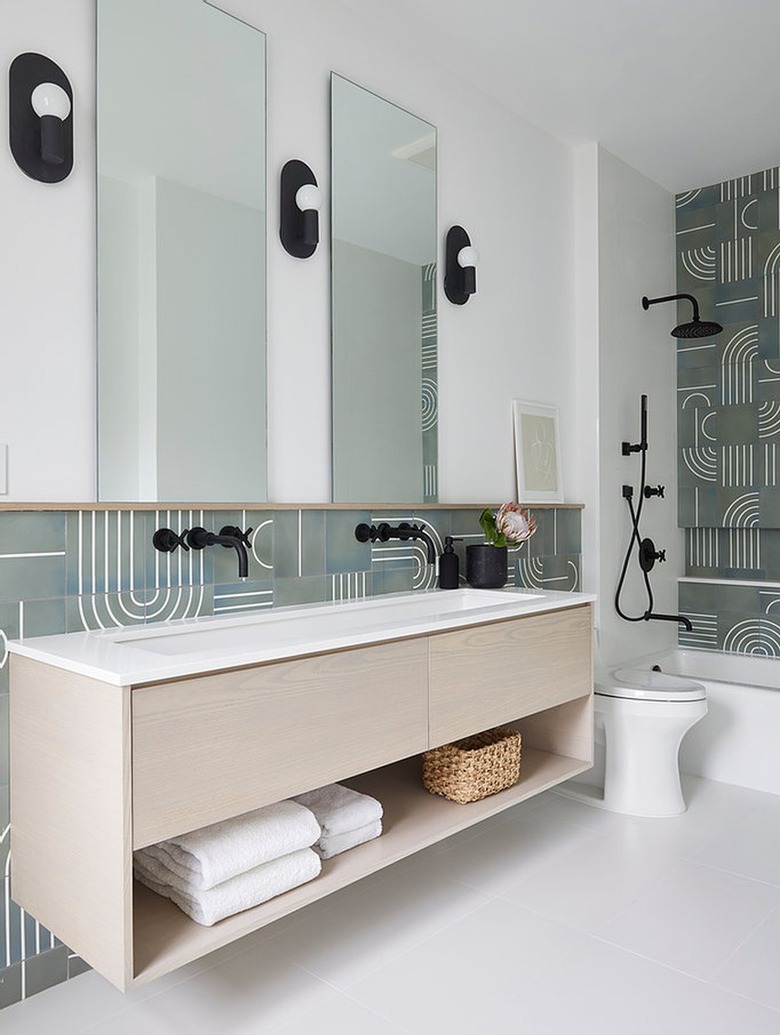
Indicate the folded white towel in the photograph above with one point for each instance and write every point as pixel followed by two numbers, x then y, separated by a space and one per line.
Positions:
pixel 327 847
pixel 213 854
pixel 240 892
pixel 339 809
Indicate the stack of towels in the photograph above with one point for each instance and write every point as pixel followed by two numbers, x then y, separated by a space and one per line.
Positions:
pixel 347 818
pixel 224 868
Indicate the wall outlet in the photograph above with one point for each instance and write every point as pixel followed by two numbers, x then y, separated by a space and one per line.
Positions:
pixel 3 469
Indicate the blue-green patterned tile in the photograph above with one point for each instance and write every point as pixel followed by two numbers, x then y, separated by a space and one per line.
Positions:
pixel 769 507
pixel 569 531
pixel 542 542
pixel 561 572
pixel 351 585
pixel 767 381
pixel 464 525
pixel 76 966
pixel 699 506
pixel 5 846
pixel 288 547
pixel 11 922
pixel 342 552
pixel 699 387
pixel 392 580
pixel 32 532
pixel 695 222
pixel 4 766
pixel 696 425
pixel 237 597
pixel 529 571
pixel 262 523
pixel 44 617
pixel 696 198
pixel 739 632
pixel 30 578
pixel 314 589
pixel 175 602
pixel 737 425
pixel 738 506
pixel 693 355
pixel 698 467
pixel 770 552
pixel 114 610
pixel 769 633
pixel 46 970
pixel 106 551
pixel 10 983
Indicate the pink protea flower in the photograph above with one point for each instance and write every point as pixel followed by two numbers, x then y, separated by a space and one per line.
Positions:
pixel 516 524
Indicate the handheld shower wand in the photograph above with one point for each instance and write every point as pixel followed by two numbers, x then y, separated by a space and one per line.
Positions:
pixel 646 551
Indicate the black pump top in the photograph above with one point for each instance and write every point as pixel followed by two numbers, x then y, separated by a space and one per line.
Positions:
pixel 448 547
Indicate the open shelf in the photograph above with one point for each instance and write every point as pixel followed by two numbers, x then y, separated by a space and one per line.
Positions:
pixel 165 938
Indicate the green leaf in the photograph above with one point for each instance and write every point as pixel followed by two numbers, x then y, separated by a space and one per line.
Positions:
pixel 487 523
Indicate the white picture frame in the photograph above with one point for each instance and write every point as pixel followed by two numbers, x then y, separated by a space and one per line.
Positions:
pixel 537 452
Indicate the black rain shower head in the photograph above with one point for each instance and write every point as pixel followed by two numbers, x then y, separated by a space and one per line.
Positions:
pixel 696 328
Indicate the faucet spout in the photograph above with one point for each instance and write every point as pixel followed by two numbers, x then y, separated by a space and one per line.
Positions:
pixel 229 536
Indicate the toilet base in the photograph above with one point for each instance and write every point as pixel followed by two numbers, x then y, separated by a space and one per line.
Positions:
pixel 642 772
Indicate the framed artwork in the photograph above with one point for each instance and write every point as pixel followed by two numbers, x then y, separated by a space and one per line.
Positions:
pixel 537 453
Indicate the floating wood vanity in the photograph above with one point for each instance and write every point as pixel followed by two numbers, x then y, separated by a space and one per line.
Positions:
pixel 106 758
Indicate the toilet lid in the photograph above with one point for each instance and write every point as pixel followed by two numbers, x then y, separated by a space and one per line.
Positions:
pixel 641 684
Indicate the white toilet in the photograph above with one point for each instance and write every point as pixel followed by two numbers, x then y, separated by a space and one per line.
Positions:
pixel 645 715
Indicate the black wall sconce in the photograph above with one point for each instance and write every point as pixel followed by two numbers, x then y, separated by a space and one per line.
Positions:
pixel 460 266
pixel 40 118
pixel 299 219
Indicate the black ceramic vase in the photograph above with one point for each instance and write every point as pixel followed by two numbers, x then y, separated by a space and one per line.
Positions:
pixel 486 566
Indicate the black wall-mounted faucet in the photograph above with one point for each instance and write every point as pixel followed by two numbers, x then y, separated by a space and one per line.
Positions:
pixel 405 531
pixel 166 540
pixel 230 536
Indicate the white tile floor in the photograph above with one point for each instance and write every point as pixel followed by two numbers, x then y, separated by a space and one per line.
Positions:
pixel 551 918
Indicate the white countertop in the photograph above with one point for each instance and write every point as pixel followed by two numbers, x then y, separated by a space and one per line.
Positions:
pixel 169 650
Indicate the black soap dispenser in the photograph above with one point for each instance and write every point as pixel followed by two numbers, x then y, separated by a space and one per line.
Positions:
pixel 448 566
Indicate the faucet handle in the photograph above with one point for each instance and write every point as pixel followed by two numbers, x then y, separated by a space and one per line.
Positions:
pixel 166 540
pixel 235 532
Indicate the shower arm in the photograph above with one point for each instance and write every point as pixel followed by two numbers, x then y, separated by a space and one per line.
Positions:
pixel 647 302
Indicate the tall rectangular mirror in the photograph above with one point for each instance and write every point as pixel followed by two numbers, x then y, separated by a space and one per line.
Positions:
pixel 181 253
pixel 384 335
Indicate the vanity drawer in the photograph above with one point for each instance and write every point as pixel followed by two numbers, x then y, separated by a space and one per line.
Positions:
pixel 215 746
pixel 491 674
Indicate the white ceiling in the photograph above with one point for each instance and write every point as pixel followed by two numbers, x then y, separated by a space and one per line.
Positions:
pixel 686 91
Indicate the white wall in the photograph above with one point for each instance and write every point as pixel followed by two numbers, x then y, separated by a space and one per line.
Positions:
pixel 509 184
pixel 47 275
pixel 636 356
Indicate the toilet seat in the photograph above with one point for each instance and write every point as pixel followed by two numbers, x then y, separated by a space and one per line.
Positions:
pixel 637 684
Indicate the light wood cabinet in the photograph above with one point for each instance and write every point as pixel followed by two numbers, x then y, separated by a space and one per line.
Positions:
pixel 97 770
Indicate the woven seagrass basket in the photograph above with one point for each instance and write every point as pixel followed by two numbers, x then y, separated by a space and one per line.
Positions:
pixel 475 767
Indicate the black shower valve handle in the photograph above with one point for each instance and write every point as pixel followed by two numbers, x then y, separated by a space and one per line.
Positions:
pixel 166 540
pixel 657 491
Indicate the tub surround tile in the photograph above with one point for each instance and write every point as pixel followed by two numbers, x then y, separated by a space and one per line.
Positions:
pixel 728 465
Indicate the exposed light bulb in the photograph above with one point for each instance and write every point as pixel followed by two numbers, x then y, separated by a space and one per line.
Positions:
pixel 308 198
pixel 50 99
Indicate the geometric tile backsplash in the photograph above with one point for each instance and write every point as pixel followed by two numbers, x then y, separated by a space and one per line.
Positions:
pixel 728 405
pixel 65 571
